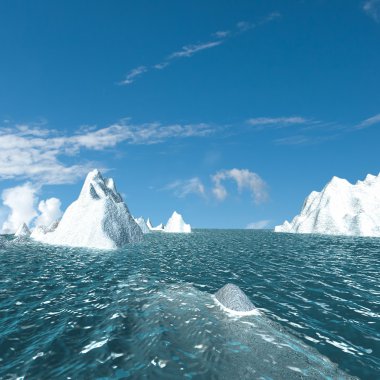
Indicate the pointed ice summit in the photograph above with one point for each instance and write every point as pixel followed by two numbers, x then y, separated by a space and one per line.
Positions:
pixel 23 231
pixel 341 208
pixel 177 224
pixel 160 227
pixel 232 299
pixel 142 224
pixel 97 219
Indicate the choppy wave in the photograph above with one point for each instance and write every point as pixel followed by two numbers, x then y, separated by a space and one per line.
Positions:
pixel 147 311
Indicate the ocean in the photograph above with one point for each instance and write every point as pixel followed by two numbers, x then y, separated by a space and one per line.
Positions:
pixel 147 311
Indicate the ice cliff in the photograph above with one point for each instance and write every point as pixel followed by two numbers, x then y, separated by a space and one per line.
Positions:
pixel 177 224
pixel 97 219
pixel 341 208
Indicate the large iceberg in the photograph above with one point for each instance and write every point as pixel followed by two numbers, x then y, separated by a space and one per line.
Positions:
pixel 341 208
pixel 177 224
pixel 97 219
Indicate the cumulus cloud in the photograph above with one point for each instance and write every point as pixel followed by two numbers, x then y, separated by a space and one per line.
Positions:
pixel 372 9
pixel 258 225
pixel 244 179
pixel 183 188
pixel 50 211
pixel 36 154
pixel 20 200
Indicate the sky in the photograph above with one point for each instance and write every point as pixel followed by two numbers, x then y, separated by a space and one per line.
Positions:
pixel 230 112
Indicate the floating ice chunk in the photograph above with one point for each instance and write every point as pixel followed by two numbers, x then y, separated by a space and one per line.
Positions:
pixel 177 224
pixel 97 219
pixel 160 227
pixel 341 208
pixel 232 299
pixel 143 225
pixel 23 231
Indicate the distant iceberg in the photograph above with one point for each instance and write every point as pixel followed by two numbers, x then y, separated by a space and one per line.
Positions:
pixel 160 227
pixel 97 219
pixel 143 225
pixel 341 208
pixel 23 231
pixel 176 224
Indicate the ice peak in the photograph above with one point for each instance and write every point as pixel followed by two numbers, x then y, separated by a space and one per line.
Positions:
pixel 23 231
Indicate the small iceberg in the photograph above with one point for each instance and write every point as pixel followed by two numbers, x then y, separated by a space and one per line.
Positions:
pixel 97 219
pixel 176 224
pixel 233 300
pixel 160 227
pixel 23 231
pixel 143 225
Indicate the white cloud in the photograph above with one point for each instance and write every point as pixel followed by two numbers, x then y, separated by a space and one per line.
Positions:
pixel 221 34
pixel 50 211
pixel 183 188
pixel 277 121
pixel 36 154
pixel 189 50
pixel 258 225
pixel 369 122
pixel 372 8
pixel 133 74
pixel 244 179
pixel 20 200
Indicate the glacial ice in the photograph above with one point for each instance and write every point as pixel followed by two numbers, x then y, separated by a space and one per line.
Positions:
pixel 177 224
pixel 341 208
pixel 232 299
pixel 97 219
pixel 160 227
pixel 23 231
pixel 143 225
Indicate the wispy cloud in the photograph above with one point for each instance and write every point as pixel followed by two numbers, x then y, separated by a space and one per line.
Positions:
pixel 277 122
pixel 133 74
pixel 369 122
pixel 372 9
pixel 258 225
pixel 183 188
pixel 217 38
pixel 37 155
pixel 245 179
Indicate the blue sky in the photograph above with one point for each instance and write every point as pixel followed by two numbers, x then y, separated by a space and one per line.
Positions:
pixel 228 112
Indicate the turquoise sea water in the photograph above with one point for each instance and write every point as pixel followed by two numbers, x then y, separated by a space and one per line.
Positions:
pixel 146 311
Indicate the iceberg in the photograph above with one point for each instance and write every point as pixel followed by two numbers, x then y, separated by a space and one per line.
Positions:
pixel 97 219
pixel 160 227
pixel 233 300
pixel 341 208
pixel 23 231
pixel 176 224
pixel 143 225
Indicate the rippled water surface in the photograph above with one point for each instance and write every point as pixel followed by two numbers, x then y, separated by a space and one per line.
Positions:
pixel 146 312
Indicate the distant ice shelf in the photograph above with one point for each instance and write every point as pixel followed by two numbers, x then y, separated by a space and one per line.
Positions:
pixel 341 208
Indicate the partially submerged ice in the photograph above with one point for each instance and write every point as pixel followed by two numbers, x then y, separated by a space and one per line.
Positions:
pixel 143 225
pixel 23 231
pixel 341 208
pixel 97 219
pixel 176 224
pixel 160 227
pixel 232 299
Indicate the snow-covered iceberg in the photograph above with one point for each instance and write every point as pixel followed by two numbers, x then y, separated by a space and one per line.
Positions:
pixel 23 231
pixel 177 224
pixel 341 208
pixel 160 227
pixel 143 225
pixel 97 219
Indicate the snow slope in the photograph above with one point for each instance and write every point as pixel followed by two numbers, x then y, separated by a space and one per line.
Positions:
pixel 177 224
pixel 97 219
pixel 341 208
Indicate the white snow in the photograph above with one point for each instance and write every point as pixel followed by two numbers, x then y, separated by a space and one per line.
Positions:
pixel 341 208
pixel 142 224
pixel 97 219
pixel 23 231
pixel 177 224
